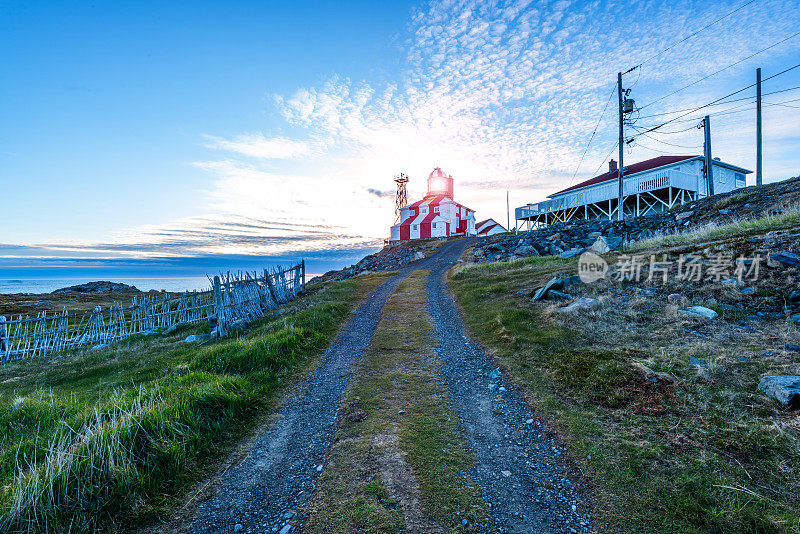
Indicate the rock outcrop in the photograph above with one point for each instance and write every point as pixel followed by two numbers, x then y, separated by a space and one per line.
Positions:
pixel 98 287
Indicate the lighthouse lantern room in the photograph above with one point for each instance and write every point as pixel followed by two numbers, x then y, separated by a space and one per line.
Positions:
pixel 436 215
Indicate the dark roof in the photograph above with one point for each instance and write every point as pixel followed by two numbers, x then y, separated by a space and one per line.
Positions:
pixel 646 165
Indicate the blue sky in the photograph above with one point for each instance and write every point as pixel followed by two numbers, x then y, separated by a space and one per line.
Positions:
pixel 192 134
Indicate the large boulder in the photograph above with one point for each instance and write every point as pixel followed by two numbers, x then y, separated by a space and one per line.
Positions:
pixel 699 311
pixel 785 389
pixel 582 303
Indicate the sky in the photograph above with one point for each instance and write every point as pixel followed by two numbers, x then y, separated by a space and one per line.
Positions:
pixel 174 138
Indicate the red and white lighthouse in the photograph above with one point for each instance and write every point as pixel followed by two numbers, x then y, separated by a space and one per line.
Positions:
pixel 436 215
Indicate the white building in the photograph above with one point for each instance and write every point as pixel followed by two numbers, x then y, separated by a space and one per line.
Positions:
pixel 436 215
pixel 489 227
pixel 649 186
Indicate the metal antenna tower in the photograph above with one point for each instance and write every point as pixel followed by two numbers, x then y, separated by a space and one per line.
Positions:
pixel 401 199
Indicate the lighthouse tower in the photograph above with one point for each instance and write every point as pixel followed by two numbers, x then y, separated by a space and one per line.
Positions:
pixel 440 183
pixel 436 215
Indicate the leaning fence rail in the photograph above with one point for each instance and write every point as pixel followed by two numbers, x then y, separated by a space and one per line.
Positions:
pixel 233 300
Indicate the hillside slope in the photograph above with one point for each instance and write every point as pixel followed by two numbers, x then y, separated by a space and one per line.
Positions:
pixel 651 375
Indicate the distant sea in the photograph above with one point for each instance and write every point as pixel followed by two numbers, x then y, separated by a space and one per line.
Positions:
pixel 47 285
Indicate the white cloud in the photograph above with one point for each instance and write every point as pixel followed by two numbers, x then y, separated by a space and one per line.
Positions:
pixel 255 145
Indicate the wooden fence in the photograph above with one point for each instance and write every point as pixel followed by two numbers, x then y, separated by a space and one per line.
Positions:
pixel 233 300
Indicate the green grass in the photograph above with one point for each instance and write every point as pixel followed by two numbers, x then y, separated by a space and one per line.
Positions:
pixel 102 439
pixel 681 455
pixel 738 228
pixel 398 435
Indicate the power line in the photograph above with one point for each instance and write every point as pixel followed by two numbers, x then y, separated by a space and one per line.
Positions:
pixel 721 98
pixel 613 148
pixel 720 70
pixel 574 174
pixel 639 145
pixel 696 32
pixel 719 104
pixel 671 144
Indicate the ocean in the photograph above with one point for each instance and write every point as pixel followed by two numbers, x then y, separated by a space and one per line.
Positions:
pixel 47 285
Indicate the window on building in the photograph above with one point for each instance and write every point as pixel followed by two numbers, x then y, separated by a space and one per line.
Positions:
pixel 436 209
pixel 741 181
pixel 433 225
pixel 416 226
pixel 424 210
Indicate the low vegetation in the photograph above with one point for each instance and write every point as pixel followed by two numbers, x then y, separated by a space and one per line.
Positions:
pixel 398 463
pixel 788 218
pixel 100 439
pixel 661 412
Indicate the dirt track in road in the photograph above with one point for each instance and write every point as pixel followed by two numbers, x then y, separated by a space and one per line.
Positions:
pixel 520 471
pixel 275 480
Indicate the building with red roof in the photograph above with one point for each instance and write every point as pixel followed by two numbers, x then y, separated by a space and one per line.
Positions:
pixel 436 215
pixel 489 227
pixel 649 186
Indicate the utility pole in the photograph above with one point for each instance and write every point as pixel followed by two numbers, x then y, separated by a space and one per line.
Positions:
pixel 508 213
pixel 707 153
pixel 758 126
pixel 621 146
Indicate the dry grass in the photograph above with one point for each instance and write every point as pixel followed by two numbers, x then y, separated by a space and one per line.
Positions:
pixel 737 228
pixel 671 446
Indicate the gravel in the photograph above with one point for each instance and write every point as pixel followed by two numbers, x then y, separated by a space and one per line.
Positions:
pixel 522 473
pixel 269 490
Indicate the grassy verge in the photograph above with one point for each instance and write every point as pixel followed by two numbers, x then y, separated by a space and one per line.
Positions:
pixel 789 218
pixel 398 463
pixel 106 438
pixel 670 446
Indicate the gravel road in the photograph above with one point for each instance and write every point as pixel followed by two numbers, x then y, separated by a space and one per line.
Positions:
pixel 522 473
pixel 269 489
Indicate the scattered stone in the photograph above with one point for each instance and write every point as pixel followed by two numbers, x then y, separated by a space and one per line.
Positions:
pixel 495 374
pixel 675 298
pixel 747 290
pixel 699 311
pixel 725 211
pixel 540 293
pixel 699 362
pixel 785 389
pixel 525 250
pixel 571 253
pixel 171 329
pixel 580 304
pixel 196 337
pixel 286 529
pixel 505 473
pixel 600 246
pixel 787 258
pixel 237 527
pixel 557 296
pixel 99 346
pixel 647 291
pixel 795 348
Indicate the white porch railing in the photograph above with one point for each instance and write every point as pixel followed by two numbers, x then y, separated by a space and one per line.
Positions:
pixel 632 185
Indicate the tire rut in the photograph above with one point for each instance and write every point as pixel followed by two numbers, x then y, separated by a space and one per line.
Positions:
pixel 270 488
pixel 522 473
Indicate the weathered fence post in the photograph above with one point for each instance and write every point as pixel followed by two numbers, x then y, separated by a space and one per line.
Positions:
pixel 303 270
pixel 219 307
pixel 5 345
